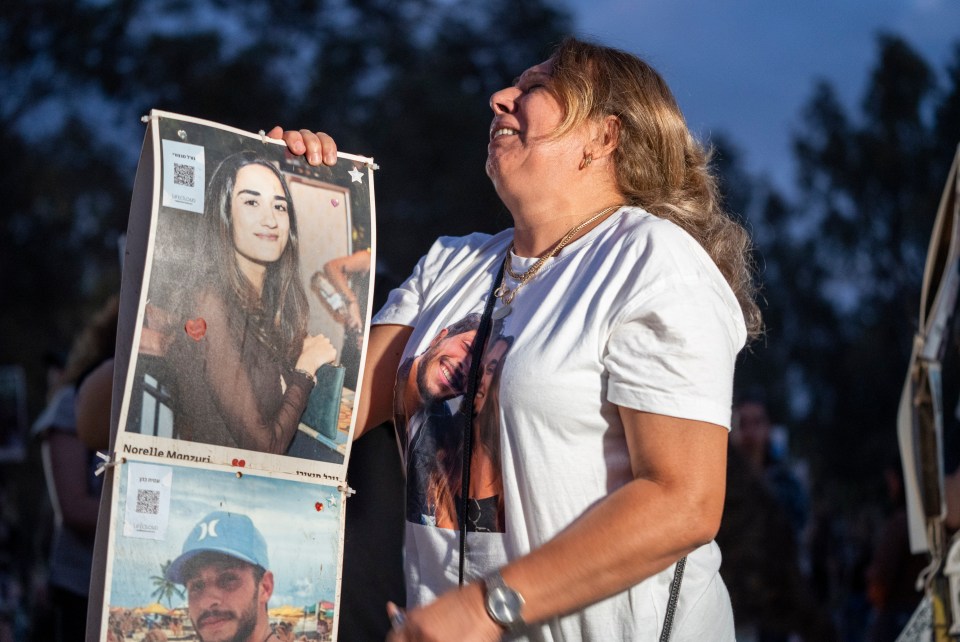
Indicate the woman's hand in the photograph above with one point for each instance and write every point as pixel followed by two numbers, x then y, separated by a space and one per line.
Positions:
pixel 457 615
pixel 317 350
pixel 316 147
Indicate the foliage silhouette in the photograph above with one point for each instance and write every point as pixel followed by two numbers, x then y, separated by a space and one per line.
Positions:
pixel 165 589
pixel 842 265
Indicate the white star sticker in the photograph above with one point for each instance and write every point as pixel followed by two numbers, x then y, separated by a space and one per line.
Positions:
pixel 356 175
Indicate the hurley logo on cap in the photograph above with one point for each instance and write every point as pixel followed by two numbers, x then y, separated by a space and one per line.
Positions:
pixel 207 528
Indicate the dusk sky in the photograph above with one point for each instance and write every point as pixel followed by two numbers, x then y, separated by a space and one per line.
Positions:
pixel 741 67
pixel 747 67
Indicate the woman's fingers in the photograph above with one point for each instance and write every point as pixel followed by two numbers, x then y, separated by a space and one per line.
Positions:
pixel 317 350
pixel 324 348
pixel 316 147
pixel 397 616
pixel 320 147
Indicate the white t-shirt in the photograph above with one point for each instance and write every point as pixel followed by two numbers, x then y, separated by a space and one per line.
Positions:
pixel 632 314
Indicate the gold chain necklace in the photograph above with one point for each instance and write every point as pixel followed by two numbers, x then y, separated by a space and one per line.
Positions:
pixel 506 294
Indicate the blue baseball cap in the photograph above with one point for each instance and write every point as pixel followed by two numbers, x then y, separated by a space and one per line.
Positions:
pixel 225 533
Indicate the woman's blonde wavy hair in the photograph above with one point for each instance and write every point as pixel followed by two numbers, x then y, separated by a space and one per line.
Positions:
pixel 659 165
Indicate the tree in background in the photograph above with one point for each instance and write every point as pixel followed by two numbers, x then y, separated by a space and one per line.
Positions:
pixel 841 267
pixel 408 81
pixel 841 263
pixel 165 589
pixel 405 80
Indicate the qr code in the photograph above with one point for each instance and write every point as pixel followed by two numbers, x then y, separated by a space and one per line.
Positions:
pixel 183 174
pixel 148 502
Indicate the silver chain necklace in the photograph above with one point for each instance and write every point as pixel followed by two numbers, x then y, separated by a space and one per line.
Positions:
pixel 506 295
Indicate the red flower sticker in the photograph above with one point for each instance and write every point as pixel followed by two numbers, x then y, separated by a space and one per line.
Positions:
pixel 239 462
pixel 196 328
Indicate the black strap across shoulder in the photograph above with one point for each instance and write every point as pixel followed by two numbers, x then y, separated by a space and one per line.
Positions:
pixel 476 354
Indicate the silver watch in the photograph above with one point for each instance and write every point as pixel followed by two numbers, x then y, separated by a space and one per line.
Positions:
pixel 503 603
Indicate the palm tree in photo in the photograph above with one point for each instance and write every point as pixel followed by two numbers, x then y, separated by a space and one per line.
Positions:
pixel 165 589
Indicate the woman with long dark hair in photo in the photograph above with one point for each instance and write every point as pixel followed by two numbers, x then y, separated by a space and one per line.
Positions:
pixel 242 360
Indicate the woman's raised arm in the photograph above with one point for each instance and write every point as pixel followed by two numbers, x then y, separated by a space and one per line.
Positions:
pixel 384 349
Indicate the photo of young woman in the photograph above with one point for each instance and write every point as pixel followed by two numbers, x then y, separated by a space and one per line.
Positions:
pixel 241 361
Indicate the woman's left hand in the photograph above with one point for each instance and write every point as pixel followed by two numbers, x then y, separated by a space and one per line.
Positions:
pixel 457 615
pixel 316 147
pixel 317 350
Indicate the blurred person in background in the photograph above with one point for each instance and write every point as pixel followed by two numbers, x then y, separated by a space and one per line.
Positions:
pixel 94 397
pixel 74 489
pixel 753 436
pixel 764 514
pixel 892 574
pixel 772 599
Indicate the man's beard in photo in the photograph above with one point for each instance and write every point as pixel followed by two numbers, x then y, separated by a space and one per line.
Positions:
pixel 426 397
pixel 246 621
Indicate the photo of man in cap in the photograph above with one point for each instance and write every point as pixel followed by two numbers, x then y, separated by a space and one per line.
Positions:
pixel 224 568
pixel 231 575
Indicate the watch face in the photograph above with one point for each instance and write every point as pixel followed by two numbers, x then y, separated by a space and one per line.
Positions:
pixel 504 605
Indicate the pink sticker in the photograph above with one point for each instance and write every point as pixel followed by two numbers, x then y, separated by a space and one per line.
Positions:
pixel 196 328
pixel 335 202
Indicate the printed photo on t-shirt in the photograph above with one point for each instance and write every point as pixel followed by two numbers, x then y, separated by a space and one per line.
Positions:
pixel 431 422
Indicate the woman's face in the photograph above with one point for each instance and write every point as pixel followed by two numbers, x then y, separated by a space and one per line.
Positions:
pixel 521 151
pixel 259 209
pixel 489 365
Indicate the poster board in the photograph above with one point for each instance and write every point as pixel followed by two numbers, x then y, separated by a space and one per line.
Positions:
pixel 920 412
pixel 244 315
pixel 920 426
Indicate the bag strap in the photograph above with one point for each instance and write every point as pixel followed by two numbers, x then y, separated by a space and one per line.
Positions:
pixel 674 597
pixel 476 354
